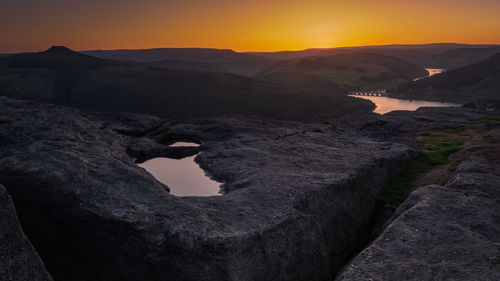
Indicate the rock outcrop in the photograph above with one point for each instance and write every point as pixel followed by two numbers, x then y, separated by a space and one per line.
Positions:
pixel 18 259
pixel 449 232
pixel 298 200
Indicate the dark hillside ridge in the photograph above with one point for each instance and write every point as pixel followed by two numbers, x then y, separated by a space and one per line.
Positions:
pixel 418 50
pixel 424 55
pixel 460 57
pixel 186 65
pixel 191 54
pixel 228 60
pixel 343 72
pixel 478 82
pixel 56 57
pixel 439 55
pixel 64 77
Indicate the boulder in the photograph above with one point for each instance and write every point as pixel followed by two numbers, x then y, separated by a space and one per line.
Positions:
pixel 18 259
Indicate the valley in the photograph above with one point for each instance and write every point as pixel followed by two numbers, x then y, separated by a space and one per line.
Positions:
pixel 208 164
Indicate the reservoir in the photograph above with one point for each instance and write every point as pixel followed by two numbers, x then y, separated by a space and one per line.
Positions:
pixel 184 176
pixel 432 71
pixel 387 104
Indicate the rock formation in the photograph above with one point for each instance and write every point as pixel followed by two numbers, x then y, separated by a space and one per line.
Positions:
pixel 447 232
pixel 18 260
pixel 299 197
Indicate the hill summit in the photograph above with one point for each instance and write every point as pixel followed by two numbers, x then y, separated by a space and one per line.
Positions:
pixel 59 50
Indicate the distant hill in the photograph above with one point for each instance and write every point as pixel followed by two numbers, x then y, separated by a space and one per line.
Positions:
pixel 343 72
pixel 228 60
pixel 424 55
pixel 186 65
pixel 64 77
pixel 460 57
pixel 400 50
pixel 478 82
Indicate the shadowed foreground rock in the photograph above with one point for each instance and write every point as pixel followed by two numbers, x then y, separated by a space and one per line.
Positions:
pixel 299 196
pixel 447 232
pixel 18 259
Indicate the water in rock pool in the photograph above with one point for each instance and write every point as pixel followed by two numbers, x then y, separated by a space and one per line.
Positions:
pixel 387 104
pixel 183 143
pixel 183 176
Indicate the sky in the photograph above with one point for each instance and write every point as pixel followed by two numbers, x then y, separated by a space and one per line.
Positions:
pixel 243 25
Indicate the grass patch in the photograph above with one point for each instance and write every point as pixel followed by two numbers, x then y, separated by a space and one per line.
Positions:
pixel 480 128
pixel 490 118
pixel 436 147
pixel 454 130
pixel 420 119
pixel 454 165
pixel 490 139
pixel 444 181
pixel 427 134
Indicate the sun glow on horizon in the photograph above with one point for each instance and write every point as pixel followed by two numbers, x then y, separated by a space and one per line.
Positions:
pixel 258 25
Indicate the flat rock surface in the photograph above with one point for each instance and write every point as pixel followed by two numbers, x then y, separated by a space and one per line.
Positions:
pixel 18 259
pixel 298 196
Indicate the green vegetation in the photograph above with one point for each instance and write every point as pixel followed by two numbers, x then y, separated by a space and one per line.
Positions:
pixel 454 165
pixel 436 147
pixel 444 181
pixel 490 139
pixel 490 118
pixel 479 128
pixel 455 130
pixel 420 119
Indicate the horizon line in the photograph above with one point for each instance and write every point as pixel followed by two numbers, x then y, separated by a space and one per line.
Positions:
pixel 273 51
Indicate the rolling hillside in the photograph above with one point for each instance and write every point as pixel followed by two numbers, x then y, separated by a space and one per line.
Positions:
pixel 340 73
pixel 186 65
pixel 460 57
pixel 64 77
pixel 478 82
pixel 424 55
pixel 227 60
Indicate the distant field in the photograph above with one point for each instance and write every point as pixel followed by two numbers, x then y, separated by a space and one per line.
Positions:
pixel 342 73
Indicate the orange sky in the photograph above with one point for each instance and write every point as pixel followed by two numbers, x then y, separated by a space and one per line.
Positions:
pixel 246 25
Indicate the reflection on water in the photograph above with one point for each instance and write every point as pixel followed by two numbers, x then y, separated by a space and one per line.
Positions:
pixel 386 104
pixel 432 71
pixel 183 176
pixel 183 143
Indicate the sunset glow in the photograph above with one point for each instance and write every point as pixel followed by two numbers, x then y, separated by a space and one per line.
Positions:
pixel 257 25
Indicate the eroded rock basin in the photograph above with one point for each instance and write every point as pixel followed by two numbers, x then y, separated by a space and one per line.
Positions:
pixel 298 196
pixel 183 176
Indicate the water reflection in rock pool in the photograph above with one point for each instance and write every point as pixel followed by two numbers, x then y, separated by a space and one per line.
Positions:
pixel 183 143
pixel 183 176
